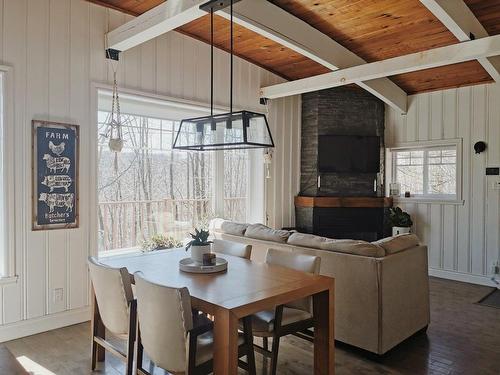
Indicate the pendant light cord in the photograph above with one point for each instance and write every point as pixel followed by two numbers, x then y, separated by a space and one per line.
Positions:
pixel 232 47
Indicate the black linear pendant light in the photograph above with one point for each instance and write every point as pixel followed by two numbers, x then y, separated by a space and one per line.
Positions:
pixel 226 131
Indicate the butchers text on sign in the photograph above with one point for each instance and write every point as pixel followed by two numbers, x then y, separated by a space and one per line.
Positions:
pixel 55 175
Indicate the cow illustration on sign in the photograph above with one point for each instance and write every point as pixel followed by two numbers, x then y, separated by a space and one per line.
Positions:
pixel 57 200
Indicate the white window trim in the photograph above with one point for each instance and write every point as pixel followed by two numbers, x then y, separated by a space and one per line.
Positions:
pixel 256 171
pixel 409 146
pixel 7 232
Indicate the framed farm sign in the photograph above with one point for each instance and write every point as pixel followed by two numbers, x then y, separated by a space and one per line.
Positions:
pixel 55 175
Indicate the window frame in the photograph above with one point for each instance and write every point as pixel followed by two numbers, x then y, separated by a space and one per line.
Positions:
pixel 255 169
pixel 426 146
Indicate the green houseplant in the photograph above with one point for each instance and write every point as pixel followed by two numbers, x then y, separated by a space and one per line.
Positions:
pixel 400 221
pixel 199 244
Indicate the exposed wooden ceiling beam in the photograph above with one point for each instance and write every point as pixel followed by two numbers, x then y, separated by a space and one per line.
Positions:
pixel 155 22
pixel 453 54
pixel 276 24
pixel 460 20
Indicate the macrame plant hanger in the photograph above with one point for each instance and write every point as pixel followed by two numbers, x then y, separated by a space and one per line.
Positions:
pixel 115 123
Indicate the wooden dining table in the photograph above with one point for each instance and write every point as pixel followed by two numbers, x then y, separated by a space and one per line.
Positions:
pixel 245 288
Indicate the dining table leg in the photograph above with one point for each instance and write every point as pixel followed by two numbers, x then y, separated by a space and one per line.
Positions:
pixel 323 308
pixel 225 343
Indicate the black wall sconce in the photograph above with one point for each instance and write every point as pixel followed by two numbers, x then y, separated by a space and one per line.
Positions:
pixel 479 147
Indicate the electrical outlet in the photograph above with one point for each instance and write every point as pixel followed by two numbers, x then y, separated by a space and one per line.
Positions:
pixel 58 295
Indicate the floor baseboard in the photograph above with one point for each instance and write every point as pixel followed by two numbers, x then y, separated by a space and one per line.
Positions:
pixel 463 277
pixel 45 323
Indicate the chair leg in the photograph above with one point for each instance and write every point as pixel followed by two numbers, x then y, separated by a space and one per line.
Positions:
pixel 132 330
pixel 278 314
pixel 274 355
pixel 247 331
pixel 94 354
pixel 98 329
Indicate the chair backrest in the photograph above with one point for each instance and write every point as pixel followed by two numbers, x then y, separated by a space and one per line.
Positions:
pixel 165 318
pixel 113 292
pixel 232 248
pixel 298 262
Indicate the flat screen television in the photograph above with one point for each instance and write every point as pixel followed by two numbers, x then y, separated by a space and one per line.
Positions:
pixel 348 154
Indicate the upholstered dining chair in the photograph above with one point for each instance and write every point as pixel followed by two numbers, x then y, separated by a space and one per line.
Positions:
pixel 115 309
pixel 232 248
pixel 175 339
pixel 291 318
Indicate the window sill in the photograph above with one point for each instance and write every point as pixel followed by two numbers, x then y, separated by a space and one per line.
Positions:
pixel 9 280
pixel 457 202
pixel 118 252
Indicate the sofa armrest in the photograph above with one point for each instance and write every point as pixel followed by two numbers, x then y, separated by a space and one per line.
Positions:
pixel 404 296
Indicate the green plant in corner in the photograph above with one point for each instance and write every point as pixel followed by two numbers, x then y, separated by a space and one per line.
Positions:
pixel 199 238
pixel 399 218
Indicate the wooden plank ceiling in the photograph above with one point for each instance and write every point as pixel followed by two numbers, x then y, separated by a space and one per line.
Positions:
pixel 373 29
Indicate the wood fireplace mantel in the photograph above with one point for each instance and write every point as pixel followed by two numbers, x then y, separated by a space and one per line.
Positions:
pixel 330 202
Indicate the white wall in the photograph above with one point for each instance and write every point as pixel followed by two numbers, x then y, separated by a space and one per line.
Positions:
pixel 56 50
pixel 463 239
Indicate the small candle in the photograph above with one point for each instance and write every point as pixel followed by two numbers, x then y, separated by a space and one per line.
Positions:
pixel 209 259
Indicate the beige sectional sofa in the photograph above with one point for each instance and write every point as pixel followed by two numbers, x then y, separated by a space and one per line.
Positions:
pixel 381 288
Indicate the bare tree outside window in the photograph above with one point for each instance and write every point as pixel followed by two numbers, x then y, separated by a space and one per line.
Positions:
pixel 149 188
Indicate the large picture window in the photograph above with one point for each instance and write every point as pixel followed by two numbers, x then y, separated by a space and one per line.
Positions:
pixel 428 170
pixel 148 188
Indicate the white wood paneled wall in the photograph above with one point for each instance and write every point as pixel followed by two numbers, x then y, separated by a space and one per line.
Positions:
pixel 463 240
pixel 56 50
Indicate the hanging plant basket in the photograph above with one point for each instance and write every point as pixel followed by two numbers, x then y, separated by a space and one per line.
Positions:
pixel 115 126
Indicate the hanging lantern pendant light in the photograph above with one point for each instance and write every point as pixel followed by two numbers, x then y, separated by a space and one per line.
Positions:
pixel 226 131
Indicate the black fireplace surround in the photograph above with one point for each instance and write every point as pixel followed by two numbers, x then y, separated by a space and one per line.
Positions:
pixel 343 111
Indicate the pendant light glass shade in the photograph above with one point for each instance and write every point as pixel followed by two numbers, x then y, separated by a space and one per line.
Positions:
pixel 227 131
pixel 239 130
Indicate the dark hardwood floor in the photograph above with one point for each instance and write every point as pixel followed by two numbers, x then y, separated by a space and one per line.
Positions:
pixel 463 338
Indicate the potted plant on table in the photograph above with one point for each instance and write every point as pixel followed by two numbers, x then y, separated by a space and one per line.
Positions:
pixel 199 244
pixel 400 221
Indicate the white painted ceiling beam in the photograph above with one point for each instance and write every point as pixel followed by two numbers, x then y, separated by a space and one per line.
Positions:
pixel 460 20
pixel 155 22
pixel 274 23
pixel 434 58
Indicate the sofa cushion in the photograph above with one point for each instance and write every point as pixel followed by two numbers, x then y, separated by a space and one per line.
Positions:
pixel 398 243
pixel 306 240
pixel 231 227
pixel 353 247
pixel 261 232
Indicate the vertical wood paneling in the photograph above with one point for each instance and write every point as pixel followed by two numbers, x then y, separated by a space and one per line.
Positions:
pixel 162 52
pixel 36 107
pixel 478 196
pixel 411 119
pixel 79 104
pixel 493 159
pixel 56 49
pixel 59 107
pixel 464 130
pixel 15 55
pixel 461 238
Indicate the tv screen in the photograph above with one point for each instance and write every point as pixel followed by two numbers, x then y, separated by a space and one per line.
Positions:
pixel 346 153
